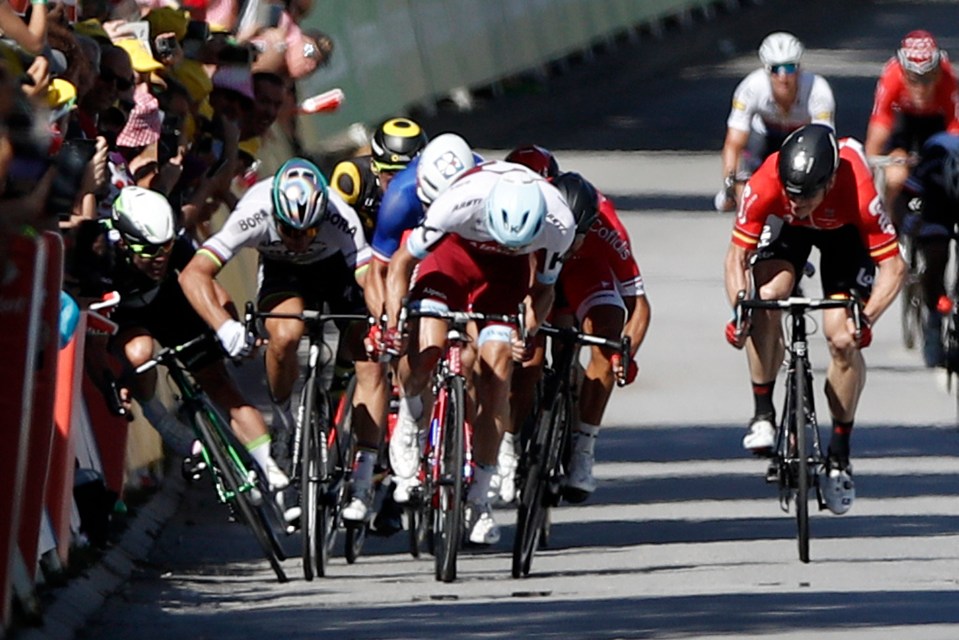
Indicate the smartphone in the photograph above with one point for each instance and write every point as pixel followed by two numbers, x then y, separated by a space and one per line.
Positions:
pixel 165 45
pixel 169 141
pixel 70 163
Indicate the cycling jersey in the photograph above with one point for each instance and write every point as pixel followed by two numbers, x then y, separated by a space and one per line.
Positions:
pixel 607 241
pixel 359 187
pixel 461 210
pixel 892 100
pixel 252 225
pixel 852 200
pixel 755 109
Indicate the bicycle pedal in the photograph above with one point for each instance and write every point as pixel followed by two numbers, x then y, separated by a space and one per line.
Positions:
pixel 772 473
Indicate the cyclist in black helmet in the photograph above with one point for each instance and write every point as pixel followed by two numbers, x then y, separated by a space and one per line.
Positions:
pixel 818 192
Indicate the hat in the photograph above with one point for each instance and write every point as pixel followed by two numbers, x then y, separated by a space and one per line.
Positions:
pixel 140 57
pixel 167 20
pixel 234 78
pixel 193 76
pixel 143 125
pixel 92 29
pixel 60 93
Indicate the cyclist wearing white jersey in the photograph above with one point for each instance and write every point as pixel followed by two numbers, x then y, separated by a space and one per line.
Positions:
pixel 312 251
pixel 768 105
pixel 495 238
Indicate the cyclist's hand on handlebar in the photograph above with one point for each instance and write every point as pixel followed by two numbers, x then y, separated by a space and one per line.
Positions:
pixel 627 375
pixel 234 337
pixel 736 333
pixel 864 336
pixel 522 350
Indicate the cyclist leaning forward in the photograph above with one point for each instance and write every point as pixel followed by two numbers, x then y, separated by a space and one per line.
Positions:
pixel 814 191
pixel 495 238
pixel 312 251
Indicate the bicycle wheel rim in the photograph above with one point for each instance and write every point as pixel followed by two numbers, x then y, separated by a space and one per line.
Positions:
pixel 450 507
pixel 216 441
pixel 310 475
pixel 802 460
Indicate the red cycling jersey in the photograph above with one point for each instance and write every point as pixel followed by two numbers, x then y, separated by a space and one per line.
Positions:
pixel 607 242
pixel 851 200
pixel 892 97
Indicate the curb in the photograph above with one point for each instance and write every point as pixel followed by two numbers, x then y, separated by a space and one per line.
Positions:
pixel 67 609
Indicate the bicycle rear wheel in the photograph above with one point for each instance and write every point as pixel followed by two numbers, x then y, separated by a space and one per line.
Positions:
pixel 241 486
pixel 541 485
pixel 448 516
pixel 800 409
pixel 914 310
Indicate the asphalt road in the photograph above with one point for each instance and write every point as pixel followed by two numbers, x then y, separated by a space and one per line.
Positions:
pixel 683 539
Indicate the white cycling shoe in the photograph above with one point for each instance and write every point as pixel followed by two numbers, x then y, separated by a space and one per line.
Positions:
pixel 358 510
pixel 761 434
pixel 480 526
pixel 502 487
pixel 838 489
pixel 405 447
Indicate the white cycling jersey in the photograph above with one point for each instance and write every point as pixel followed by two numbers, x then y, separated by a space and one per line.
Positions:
pixel 461 209
pixel 755 109
pixel 251 225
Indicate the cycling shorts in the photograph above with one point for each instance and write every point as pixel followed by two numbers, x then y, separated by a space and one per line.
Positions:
pixel 844 263
pixel 329 281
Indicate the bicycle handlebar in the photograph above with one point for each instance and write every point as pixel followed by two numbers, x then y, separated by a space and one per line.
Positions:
pixel 308 316
pixel 571 334
pixel 170 353
pixel 800 305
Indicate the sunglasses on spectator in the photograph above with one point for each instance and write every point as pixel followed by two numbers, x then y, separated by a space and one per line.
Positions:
pixel 295 234
pixel 150 251
pixel 123 84
pixel 788 68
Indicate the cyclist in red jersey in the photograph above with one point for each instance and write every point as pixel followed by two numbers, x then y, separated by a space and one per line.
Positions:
pixel 601 289
pixel 916 96
pixel 813 192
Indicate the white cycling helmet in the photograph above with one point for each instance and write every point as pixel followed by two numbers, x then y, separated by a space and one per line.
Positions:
pixel 443 159
pixel 515 210
pixel 143 217
pixel 780 48
pixel 950 176
pixel 918 52
pixel 300 194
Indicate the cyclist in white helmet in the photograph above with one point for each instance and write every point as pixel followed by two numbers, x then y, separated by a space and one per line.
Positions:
pixel 768 105
pixel 472 252
pixel 312 251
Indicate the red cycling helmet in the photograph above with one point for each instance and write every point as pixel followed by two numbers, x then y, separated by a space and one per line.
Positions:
pixel 918 53
pixel 536 158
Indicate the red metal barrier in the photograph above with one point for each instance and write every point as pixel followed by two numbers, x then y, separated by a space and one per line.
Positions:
pixel 21 282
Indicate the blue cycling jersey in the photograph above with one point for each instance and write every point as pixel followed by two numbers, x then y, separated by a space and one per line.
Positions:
pixel 400 209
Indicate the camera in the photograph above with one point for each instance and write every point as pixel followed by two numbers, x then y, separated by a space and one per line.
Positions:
pixel 166 45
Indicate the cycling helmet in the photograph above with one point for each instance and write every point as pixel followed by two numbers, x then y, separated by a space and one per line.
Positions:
pixel 808 160
pixel 536 158
pixel 515 210
pixel 443 159
pixel 143 217
pixel 395 143
pixel 300 194
pixel 780 48
pixel 918 53
pixel 950 176
pixel 581 197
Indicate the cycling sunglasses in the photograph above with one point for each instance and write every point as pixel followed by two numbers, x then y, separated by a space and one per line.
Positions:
pixel 150 251
pixel 383 167
pixel 788 68
pixel 295 234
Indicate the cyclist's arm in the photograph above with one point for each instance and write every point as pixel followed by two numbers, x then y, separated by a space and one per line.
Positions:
pixel 198 281
pixel 890 274
pixel 877 135
pixel 733 146
pixel 374 288
pixel 736 272
pixel 398 283
pixel 638 323
pixel 540 301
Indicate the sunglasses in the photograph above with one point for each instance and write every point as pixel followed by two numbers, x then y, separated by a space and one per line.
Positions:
pixel 788 69
pixel 150 251
pixel 295 234
pixel 123 84
pixel 382 167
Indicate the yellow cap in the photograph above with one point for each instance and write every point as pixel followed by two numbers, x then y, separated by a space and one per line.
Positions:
pixel 91 28
pixel 193 76
pixel 167 20
pixel 140 57
pixel 60 93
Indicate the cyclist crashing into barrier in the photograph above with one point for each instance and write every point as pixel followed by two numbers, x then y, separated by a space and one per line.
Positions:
pixel 813 192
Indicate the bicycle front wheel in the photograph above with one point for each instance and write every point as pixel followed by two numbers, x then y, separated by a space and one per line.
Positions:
pixel 448 517
pixel 543 455
pixel 800 410
pixel 239 485
pixel 314 465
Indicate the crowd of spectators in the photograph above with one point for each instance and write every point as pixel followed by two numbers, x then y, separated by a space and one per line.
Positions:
pixel 176 97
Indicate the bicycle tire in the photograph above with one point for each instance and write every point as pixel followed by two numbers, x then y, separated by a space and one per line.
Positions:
pixel 800 408
pixel 353 543
pixel 216 441
pixel 541 487
pixel 448 516
pixel 314 512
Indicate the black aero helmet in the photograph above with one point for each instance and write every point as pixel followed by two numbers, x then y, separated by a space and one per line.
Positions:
pixel 395 143
pixel 808 160
pixel 581 197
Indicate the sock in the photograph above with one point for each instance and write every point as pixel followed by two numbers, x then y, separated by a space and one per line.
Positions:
pixel 174 433
pixel 839 444
pixel 482 475
pixel 585 437
pixel 508 442
pixel 763 398
pixel 260 451
pixel 363 469
pixel 411 407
